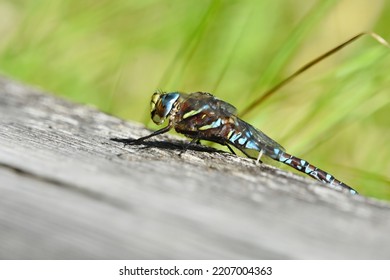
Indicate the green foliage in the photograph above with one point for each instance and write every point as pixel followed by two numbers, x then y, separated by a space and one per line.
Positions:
pixel 115 54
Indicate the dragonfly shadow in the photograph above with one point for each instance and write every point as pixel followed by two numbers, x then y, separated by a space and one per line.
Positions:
pixel 171 145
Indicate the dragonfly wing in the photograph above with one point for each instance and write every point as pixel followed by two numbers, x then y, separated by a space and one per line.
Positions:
pixel 207 100
pixel 225 107
pixel 257 140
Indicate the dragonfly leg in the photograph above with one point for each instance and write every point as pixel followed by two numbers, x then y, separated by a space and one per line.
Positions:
pixel 249 156
pixel 130 141
pixel 259 156
pixel 194 141
pixel 230 149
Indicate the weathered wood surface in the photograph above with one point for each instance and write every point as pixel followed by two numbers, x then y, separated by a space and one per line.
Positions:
pixel 67 191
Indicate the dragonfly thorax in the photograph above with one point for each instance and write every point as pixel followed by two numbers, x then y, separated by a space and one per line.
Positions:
pixel 161 105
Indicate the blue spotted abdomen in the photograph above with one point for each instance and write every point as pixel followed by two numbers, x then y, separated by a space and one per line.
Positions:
pixel 246 137
pixel 311 170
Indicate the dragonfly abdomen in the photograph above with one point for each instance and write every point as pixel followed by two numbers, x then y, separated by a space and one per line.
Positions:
pixel 242 140
pixel 311 170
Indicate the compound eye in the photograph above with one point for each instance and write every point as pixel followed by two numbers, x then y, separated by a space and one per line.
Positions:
pixel 162 105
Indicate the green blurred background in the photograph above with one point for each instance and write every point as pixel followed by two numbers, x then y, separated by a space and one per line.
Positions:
pixel 115 53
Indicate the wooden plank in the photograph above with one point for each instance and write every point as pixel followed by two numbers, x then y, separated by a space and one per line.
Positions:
pixel 67 191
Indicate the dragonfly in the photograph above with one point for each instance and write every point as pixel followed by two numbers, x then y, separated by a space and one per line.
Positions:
pixel 202 116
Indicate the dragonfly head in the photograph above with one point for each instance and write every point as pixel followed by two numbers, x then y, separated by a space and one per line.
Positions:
pixel 161 105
